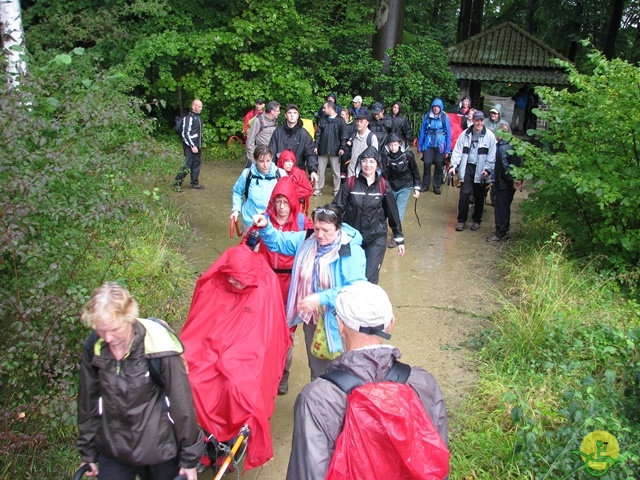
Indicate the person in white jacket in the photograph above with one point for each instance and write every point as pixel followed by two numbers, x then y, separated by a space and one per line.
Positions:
pixel 473 159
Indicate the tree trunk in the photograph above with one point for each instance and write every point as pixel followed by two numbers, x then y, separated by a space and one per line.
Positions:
pixel 464 20
pixel 13 40
pixel 614 26
pixel 531 26
pixel 389 25
pixel 477 12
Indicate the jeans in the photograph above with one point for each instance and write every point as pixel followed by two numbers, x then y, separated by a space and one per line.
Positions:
pixel 402 197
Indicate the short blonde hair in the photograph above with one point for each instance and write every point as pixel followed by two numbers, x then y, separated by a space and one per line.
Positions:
pixel 110 304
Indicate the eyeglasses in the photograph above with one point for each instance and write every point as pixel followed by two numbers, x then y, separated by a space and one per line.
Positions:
pixel 281 203
pixel 325 210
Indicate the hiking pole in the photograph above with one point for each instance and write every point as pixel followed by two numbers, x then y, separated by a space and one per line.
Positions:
pixel 244 433
pixel 415 210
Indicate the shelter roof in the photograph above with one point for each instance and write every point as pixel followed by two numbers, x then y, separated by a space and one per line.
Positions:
pixel 506 53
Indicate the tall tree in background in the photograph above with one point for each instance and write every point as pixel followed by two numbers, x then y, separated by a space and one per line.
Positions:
pixel 614 26
pixel 389 27
pixel 12 40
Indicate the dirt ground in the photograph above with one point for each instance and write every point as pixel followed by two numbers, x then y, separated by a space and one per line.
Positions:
pixel 442 290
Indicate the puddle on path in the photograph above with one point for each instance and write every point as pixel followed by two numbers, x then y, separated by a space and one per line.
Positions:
pixel 440 290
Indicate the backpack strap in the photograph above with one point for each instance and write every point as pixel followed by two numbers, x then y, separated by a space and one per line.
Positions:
pixel 153 364
pixel 248 184
pixel 347 381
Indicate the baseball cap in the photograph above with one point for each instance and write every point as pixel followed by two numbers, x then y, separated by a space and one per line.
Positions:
pixel 478 115
pixel 290 106
pixel 366 308
pixel 361 116
pixel 357 99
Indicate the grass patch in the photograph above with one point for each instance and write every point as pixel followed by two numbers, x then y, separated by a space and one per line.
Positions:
pixel 560 361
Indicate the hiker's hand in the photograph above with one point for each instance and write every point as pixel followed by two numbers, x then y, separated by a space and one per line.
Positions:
pixel 190 473
pixel 485 174
pixel 517 185
pixel 309 303
pixel 400 250
pixel 315 150
pixel 259 220
pixel 340 152
pixel 93 471
pixel 194 149
pixel 314 177
pixel 452 171
pixel 234 216
pixel 416 193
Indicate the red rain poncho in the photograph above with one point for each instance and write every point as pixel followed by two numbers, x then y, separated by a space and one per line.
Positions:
pixel 235 345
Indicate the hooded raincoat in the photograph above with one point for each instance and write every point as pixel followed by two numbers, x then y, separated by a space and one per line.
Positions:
pixel 235 345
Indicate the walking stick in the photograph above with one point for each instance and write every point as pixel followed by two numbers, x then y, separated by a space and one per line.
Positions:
pixel 415 210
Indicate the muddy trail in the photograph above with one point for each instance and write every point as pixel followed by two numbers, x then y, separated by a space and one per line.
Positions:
pixel 442 290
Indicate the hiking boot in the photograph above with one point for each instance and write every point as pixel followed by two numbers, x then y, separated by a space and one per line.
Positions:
pixel 392 243
pixel 317 193
pixel 436 191
pixel 197 187
pixel 283 386
pixel 424 189
pixel 460 226
pixel 475 226
pixel 498 238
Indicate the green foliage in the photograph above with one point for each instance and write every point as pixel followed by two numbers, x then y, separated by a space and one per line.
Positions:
pixel 78 206
pixel 560 361
pixel 419 73
pixel 585 175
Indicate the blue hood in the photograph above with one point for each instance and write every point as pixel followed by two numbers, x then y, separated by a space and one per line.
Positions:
pixel 437 102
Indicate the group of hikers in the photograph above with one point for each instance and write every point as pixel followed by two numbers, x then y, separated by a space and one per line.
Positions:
pixel 150 399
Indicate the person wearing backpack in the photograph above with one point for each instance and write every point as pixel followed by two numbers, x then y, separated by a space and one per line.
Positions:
pixel 359 141
pixel 324 413
pixel 261 128
pixel 252 190
pixel 136 414
pixel 401 170
pixel 434 142
pixel 367 203
pixel 191 135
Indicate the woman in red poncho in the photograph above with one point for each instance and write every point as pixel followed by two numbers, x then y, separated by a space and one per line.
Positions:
pixel 287 161
pixel 284 214
pixel 236 338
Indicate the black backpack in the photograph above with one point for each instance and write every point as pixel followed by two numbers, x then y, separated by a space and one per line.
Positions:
pixel 179 124
pixel 347 381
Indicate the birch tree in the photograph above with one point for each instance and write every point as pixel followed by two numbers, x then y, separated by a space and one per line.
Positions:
pixel 13 46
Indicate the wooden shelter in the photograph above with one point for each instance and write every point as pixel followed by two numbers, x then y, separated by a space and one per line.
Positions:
pixel 505 53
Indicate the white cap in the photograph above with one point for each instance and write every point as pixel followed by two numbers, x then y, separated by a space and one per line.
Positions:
pixel 357 99
pixel 365 307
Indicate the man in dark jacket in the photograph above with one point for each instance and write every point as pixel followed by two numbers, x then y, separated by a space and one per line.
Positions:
pixel 192 146
pixel 292 136
pixel 400 125
pixel 330 98
pixel 504 186
pixel 330 139
pixel 357 108
pixel 380 124
pixel 319 411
